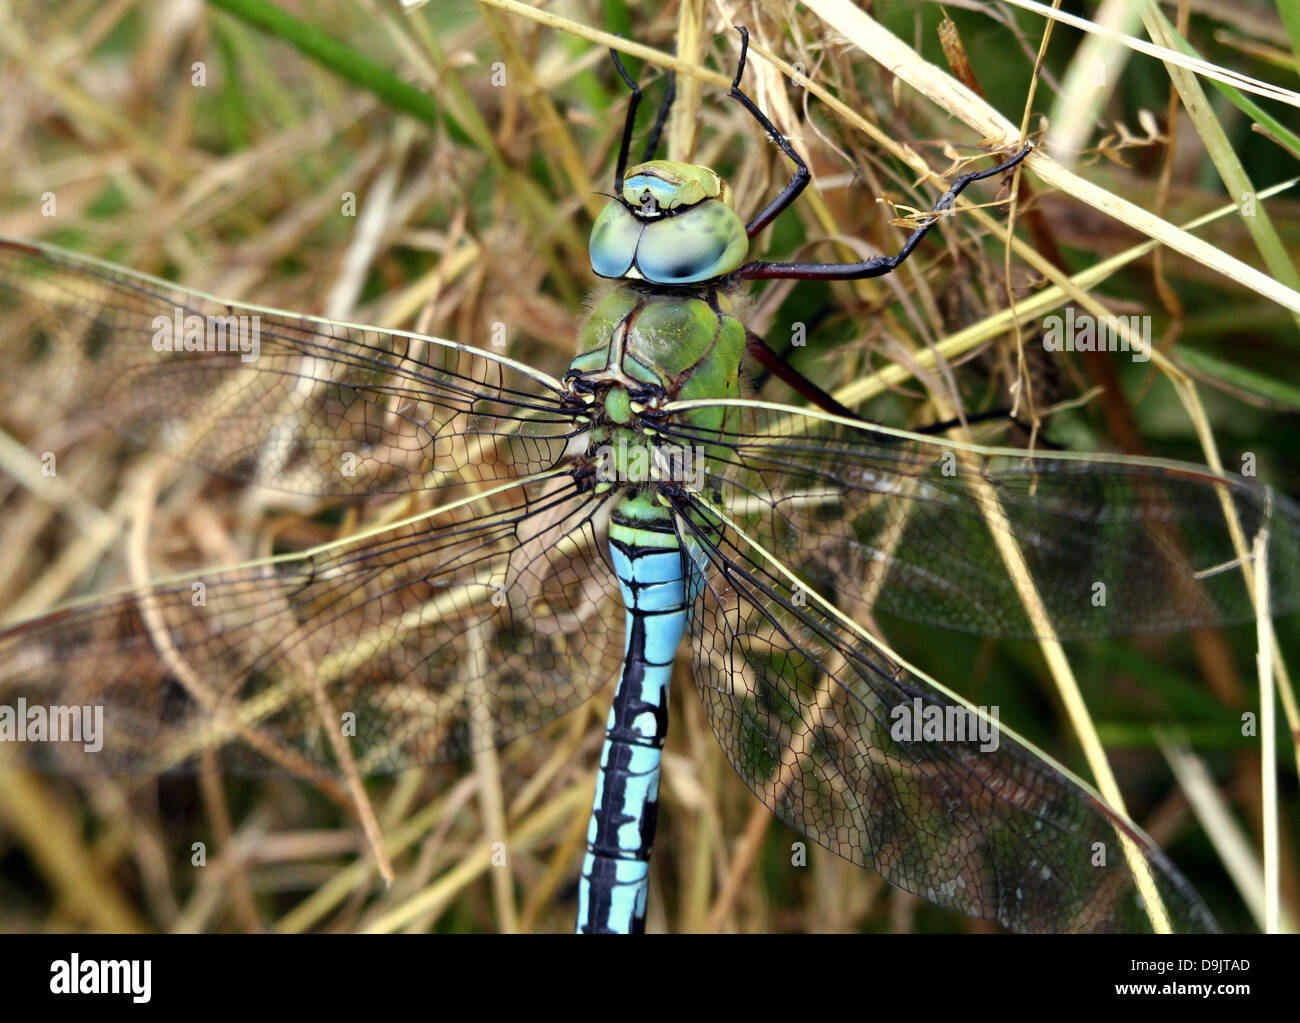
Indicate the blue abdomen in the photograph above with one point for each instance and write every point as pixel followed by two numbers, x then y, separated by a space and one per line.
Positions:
pixel 615 872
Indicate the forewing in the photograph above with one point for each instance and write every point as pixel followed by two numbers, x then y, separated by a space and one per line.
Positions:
pixel 291 402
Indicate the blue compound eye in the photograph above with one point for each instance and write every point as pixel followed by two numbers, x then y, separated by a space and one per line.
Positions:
pixel 614 239
pixel 699 244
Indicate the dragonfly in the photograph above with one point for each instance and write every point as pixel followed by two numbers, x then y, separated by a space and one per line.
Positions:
pixel 569 532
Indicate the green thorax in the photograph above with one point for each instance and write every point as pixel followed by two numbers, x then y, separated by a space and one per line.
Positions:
pixel 638 351
pixel 683 345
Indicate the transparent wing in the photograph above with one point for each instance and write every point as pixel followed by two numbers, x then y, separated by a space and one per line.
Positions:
pixel 918 528
pixel 832 736
pixel 291 402
pixel 462 628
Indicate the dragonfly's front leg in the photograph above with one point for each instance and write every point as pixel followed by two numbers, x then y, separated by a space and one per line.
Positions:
pixel 880 265
pixel 629 123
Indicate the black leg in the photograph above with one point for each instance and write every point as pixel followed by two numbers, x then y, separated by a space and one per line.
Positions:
pixel 628 123
pixel 665 105
pixel 810 325
pixel 881 265
pixel 652 143
pixel 983 417
pixel 756 348
pixel 800 180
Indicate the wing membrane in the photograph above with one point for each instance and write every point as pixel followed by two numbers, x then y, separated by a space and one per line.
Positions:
pixel 464 627
pixel 306 405
pixel 901 524
pixel 808 712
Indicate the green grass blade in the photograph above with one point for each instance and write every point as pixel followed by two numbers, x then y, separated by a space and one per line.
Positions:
pixel 1233 175
pixel 1270 388
pixel 1284 136
pixel 1290 12
pixel 330 53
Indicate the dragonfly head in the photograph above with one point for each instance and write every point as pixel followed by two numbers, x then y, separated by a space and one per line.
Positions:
pixel 673 224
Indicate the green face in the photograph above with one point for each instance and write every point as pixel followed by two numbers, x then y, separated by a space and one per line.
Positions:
pixel 673 225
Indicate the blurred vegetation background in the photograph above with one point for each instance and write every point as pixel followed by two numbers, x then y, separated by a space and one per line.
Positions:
pixel 437 169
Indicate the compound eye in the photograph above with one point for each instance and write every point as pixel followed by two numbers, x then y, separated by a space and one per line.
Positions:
pixel 699 244
pixel 613 243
